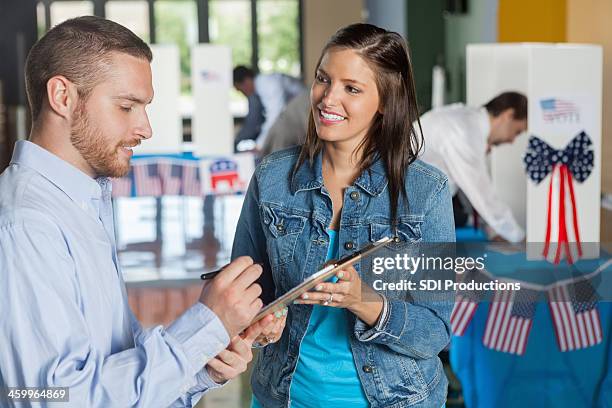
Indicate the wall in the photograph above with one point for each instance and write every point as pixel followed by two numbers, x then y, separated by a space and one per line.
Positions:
pixel 426 40
pixel 322 18
pixel 388 14
pixel 588 21
pixel 533 21
pixel 478 25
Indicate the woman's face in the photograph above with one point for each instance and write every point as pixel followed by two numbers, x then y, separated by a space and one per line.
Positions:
pixel 344 97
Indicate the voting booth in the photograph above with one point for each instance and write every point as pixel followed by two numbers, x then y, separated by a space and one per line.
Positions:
pixel 551 176
pixel 164 114
pixel 212 123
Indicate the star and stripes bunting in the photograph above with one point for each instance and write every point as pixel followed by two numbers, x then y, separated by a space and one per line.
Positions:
pixel 147 180
pixel 171 177
pixel 192 186
pixel 466 303
pixel 573 308
pixel 122 186
pixel 510 320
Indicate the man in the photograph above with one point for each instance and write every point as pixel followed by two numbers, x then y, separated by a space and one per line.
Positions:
pixel 267 96
pixel 457 140
pixel 290 127
pixel 65 318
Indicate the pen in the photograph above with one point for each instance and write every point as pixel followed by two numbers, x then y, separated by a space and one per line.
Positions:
pixel 211 275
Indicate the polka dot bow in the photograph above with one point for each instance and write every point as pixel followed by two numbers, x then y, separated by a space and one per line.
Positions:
pixel 541 158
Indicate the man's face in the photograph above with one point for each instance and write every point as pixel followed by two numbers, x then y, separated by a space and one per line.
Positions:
pixel 113 118
pixel 247 86
pixel 505 128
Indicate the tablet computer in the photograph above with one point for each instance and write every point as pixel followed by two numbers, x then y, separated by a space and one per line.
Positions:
pixel 322 275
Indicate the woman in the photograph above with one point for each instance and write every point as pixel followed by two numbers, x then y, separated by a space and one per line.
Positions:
pixel 355 180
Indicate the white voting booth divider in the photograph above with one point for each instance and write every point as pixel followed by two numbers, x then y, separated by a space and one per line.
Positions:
pixel 212 124
pixel 563 83
pixel 163 112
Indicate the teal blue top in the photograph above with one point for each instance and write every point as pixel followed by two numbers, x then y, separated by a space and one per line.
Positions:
pixel 325 375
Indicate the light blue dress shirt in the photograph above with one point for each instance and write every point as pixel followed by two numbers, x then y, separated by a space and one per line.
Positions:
pixel 64 314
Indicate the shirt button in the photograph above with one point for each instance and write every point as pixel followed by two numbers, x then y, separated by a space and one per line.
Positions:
pixel 354 195
pixel 367 369
pixel 280 228
pixel 396 239
pixel 349 245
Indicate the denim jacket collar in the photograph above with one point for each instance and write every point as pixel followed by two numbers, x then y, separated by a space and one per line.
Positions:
pixel 307 177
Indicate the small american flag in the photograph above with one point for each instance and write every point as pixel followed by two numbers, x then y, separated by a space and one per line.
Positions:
pixel 558 109
pixel 171 177
pixel 466 303
pixel 147 180
pixel 509 321
pixel 575 316
pixel 192 186
pixel 122 186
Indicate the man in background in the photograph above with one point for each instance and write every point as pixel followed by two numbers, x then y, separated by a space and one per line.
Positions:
pixel 458 139
pixel 65 318
pixel 267 96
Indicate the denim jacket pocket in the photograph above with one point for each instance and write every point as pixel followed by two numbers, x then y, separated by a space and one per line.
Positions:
pixel 408 231
pixel 282 229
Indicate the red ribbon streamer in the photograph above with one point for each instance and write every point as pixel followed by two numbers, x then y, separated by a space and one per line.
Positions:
pixel 562 241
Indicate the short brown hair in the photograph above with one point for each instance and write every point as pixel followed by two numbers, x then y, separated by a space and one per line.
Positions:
pixel 508 100
pixel 78 49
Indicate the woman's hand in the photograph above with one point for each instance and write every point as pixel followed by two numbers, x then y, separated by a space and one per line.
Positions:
pixel 346 293
pixel 272 333
pixel 233 361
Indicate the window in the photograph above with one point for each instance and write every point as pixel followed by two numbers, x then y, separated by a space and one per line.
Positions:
pixel 279 36
pixel 276 47
pixel 176 22
pixel 133 14
pixel 229 24
pixel 63 10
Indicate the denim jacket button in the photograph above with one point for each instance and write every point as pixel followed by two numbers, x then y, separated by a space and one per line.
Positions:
pixel 367 369
pixel 349 245
pixel 280 228
pixel 354 195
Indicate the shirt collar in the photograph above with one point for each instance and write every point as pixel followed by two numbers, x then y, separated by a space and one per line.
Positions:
pixel 484 123
pixel 78 186
pixel 373 180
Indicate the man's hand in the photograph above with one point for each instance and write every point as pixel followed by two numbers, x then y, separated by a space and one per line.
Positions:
pixel 233 361
pixel 233 296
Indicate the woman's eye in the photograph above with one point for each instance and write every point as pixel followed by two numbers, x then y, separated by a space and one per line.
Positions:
pixel 352 89
pixel 321 78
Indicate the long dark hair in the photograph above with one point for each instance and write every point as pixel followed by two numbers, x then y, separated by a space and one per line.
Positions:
pixel 392 137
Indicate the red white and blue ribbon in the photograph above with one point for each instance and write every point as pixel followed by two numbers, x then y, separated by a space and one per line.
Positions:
pixel 574 162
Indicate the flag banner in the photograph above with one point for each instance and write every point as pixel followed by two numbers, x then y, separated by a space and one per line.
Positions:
pixel 573 308
pixel 156 176
pixel 509 321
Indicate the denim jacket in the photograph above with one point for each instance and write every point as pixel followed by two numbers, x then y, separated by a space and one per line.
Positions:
pixel 283 224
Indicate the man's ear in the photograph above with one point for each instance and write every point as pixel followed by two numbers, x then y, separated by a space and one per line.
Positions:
pixel 508 114
pixel 62 96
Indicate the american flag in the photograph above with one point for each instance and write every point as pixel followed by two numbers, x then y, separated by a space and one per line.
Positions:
pixel 192 186
pixel 147 180
pixel 575 316
pixel 466 303
pixel 171 177
pixel 122 186
pixel 509 321
pixel 555 108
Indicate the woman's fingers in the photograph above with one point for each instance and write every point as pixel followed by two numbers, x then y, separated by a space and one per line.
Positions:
pixel 348 274
pixel 342 287
pixel 310 298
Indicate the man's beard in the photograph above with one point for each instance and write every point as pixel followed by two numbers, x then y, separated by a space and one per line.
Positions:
pixel 90 143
